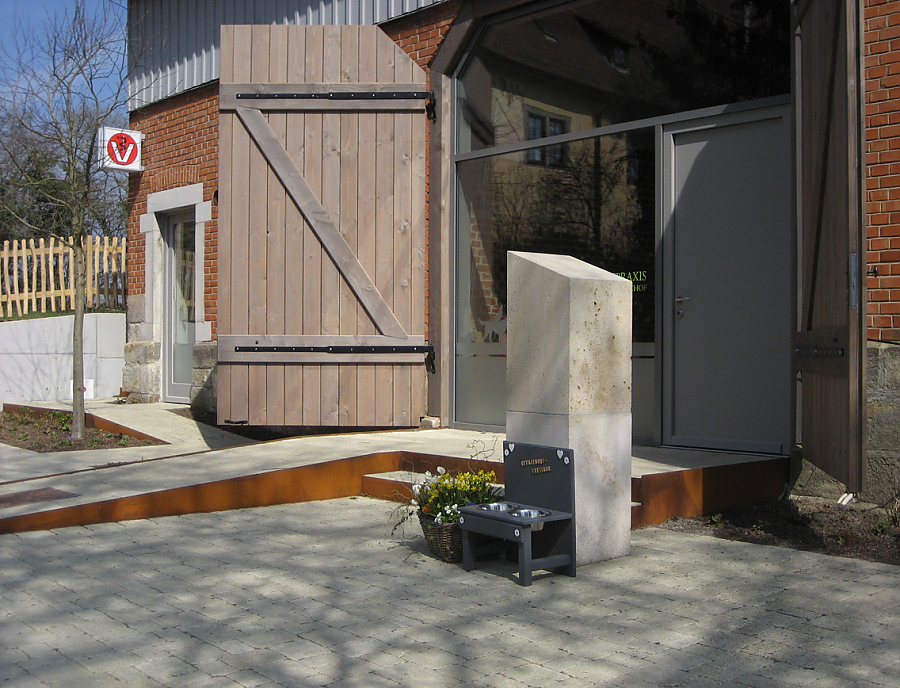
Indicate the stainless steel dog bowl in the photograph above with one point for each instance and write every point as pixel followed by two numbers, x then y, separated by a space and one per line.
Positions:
pixel 529 513
pixel 497 506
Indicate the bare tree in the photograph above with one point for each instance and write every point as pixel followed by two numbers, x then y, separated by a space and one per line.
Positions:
pixel 59 86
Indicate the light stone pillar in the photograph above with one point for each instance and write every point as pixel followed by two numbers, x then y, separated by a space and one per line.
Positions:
pixel 568 372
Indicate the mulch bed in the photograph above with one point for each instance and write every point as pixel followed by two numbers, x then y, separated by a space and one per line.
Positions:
pixel 52 432
pixel 807 523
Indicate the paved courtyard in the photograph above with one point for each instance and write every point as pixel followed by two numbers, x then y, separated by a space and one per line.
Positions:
pixel 321 594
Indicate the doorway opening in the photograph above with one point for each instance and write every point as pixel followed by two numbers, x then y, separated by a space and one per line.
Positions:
pixel 727 313
pixel 565 119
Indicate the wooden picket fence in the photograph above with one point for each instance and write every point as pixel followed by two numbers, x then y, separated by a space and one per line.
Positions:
pixel 36 275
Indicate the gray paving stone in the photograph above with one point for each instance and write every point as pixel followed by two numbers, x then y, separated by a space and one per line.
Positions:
pixel 534 675
pixel 165 669
pixel 248 678
pixel 202 600
pixel 298 649
pixel 600 672
pixel 11 671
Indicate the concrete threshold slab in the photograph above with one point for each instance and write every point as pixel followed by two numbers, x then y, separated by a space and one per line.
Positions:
pixel 652 460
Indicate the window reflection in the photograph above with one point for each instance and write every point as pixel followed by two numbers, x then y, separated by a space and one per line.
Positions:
pixel 597 206
pixel 600 63
pixel 575 67
pixel 540 126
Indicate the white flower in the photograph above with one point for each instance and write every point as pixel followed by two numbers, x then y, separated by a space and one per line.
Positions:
pixel 437 519
pixel 413 502
pixel 441 470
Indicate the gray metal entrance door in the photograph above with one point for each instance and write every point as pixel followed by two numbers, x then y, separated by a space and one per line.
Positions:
pixel 727 309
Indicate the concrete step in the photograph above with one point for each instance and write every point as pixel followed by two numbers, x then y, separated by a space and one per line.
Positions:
pixel 637 490
pixel 395 486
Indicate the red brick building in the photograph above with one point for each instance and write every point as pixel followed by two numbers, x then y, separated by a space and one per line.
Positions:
pixel 600 85
pixel 882 74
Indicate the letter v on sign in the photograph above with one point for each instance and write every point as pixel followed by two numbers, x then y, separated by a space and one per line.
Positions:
pixel 120 149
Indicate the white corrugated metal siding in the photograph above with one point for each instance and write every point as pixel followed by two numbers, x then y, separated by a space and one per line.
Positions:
pixel 175 43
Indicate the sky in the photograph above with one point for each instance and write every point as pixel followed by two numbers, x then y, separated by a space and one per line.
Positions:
pixel 32 16
pixel 32 13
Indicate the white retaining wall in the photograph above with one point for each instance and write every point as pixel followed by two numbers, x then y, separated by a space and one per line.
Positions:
pixel 36 357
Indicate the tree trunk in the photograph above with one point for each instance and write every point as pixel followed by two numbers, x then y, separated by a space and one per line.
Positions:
pixel 78 343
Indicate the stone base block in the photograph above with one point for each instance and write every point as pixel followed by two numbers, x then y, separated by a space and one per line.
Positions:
pixel 142 352
pixel 204 380
pixel 206 355
pixel 141 379
pixel 882 477
pixel 602 446
pixel 137 398
pixel 141 374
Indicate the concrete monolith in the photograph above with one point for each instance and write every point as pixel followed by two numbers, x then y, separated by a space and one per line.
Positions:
pixel 569 385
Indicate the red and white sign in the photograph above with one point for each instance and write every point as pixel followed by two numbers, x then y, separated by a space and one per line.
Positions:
pixel 120 149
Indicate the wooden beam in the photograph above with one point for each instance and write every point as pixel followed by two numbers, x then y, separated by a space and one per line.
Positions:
pixel 232 90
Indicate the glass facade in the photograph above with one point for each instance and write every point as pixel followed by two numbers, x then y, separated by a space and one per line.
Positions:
pixel 574 68
pixel 593 64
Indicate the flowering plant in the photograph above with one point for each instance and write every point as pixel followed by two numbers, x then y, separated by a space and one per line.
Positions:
pixel 440 496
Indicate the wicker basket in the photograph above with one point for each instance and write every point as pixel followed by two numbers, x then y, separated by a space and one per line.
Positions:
pixel 444 539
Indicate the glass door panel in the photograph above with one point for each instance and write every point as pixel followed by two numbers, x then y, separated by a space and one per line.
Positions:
pixel 180 308
pixel 593 199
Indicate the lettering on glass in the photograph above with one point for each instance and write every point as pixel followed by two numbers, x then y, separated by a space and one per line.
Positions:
pixel 638 279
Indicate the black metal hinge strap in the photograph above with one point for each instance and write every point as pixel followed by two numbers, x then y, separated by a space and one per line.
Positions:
pixel 427 349
pixel 359 96
pixel 820 351
pixel 341 95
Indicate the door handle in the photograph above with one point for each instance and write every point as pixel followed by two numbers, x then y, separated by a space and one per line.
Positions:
pixel 682 299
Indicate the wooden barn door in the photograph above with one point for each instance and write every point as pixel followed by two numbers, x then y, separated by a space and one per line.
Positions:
pixel 830 346
pixel 321 268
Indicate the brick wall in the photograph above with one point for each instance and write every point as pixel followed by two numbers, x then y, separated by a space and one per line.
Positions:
pixel 882 74
pixel 181 147
pixel 420 34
